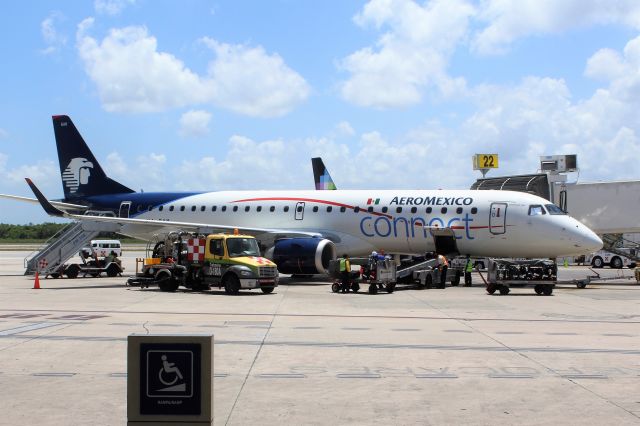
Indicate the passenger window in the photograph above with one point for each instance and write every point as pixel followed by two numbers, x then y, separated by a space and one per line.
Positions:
pixel 315 209
pixel 181 208
pixel 385 209
pixel 272 208
pixel 474 210
pixel 202 208
pixel 161 208
pixel 370 209
pixel 247 208
pixel 429 210
pixel 171 208
pixel 398 209
pixel 299 209
pixel 356 209
pixel 536 210
pixel 259 208
pixel 459 210
pixel 286 208
pixel 414 209
pixel 443 210
pixel 235 208
pixel 215 248
pixel 193 208
pixel 150 207
pixel 214 208
pixel 343 209
pixel 224 208
pixel 329 209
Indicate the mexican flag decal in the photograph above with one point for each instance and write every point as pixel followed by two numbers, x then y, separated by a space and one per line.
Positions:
pixel 373 201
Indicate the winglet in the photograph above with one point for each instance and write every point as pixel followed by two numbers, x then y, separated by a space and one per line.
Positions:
pixel 46 205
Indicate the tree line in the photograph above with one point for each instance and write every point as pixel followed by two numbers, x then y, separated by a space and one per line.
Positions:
pixel 41 231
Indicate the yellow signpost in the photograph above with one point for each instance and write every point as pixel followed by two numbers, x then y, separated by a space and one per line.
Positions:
pixel 484 162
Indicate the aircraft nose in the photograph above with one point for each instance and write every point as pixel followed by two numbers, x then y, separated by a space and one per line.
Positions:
pixel 587 240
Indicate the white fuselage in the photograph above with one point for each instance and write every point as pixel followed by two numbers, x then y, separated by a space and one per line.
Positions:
pixel 485 223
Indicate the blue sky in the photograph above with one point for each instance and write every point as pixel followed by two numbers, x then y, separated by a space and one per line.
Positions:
pixel 202 95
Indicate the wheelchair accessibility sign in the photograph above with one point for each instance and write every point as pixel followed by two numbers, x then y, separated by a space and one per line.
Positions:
pixel 170 378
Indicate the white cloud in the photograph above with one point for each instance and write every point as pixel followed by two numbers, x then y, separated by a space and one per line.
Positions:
pixel 43 173
pixel 509 20
pixel 111 7
pixel 3 134
pixel 194 123
pixel 410 57
pixel 51 36
pixel 250 81
pixel 344 129
pixel 132 75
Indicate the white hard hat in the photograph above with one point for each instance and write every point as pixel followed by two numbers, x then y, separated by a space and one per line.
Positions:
pixel 374 253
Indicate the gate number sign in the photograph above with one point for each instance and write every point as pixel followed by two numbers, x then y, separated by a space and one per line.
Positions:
pixel 485 161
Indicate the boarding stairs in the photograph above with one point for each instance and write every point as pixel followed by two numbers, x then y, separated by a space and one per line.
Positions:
pixel 614 243
pixel 64 245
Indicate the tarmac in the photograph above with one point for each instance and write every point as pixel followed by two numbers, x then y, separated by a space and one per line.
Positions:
pixel 305 355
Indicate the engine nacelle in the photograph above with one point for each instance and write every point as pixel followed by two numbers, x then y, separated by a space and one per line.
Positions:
pixel 304 256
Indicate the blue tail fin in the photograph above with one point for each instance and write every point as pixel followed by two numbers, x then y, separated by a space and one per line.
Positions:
pixel 321 175
pixel 81 173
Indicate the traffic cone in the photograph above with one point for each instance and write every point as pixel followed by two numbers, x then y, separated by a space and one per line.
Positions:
pixel 36 282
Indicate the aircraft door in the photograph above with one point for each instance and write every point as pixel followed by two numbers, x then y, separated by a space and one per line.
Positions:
pixel 125 206
pixel 498 218
pixel 299 213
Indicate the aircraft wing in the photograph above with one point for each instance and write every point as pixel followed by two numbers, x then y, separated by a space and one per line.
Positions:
pixel 162 224
pixel 58 204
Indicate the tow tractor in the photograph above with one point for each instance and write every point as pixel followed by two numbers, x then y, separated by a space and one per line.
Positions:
pixel 198 262
pixel 379 274
pixel 95 262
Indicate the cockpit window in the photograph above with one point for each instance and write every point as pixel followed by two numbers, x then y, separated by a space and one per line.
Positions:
pixel 536 210
pixel 553 209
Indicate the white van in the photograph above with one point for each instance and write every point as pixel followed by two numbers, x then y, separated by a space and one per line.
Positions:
pixel 103 248
pixel 603 257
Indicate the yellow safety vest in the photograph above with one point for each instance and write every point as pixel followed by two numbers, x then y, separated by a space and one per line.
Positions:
pixel 469 266
pixel 343 265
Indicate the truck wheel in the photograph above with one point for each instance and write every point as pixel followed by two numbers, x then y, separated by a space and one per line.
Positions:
pixel 597 262
pixel 547 290
pixel 267 290
pixel 491 288
pixel 428 281
pixel 165 281
pixel 504 290
pixel 112 270
pixel 373 289
pixel 538 288
pixel 390 287
pixel 456 280
pixel 72 271
pixel 616 263
pixel 231 284
pixel 355 287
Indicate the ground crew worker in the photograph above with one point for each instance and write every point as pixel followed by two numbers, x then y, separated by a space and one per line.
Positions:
pixel 345 271
pixel 467 272
pixel 443 265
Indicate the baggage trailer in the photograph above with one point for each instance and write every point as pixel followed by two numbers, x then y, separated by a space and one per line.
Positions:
pixel 378 274
pixel 541 274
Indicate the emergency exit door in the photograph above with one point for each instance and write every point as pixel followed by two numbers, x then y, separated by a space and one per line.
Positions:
pixel 125 206
pixel 498 218
pixel 299 214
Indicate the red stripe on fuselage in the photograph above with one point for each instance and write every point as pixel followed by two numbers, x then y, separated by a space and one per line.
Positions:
pixel 313 200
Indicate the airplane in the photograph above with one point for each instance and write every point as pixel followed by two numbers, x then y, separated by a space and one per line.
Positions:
pixel 302 230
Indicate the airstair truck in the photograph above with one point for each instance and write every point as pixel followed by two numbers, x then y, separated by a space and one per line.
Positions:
pixel 232 262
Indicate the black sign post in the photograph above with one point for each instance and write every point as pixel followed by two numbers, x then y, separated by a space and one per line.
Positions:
pixel 170 379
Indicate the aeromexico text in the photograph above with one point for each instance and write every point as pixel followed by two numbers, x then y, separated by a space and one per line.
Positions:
pixel 432 201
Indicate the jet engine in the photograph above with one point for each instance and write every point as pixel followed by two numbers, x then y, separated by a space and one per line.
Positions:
pixel 302 256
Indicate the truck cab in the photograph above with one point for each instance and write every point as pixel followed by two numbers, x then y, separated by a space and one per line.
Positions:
pixel 233 262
